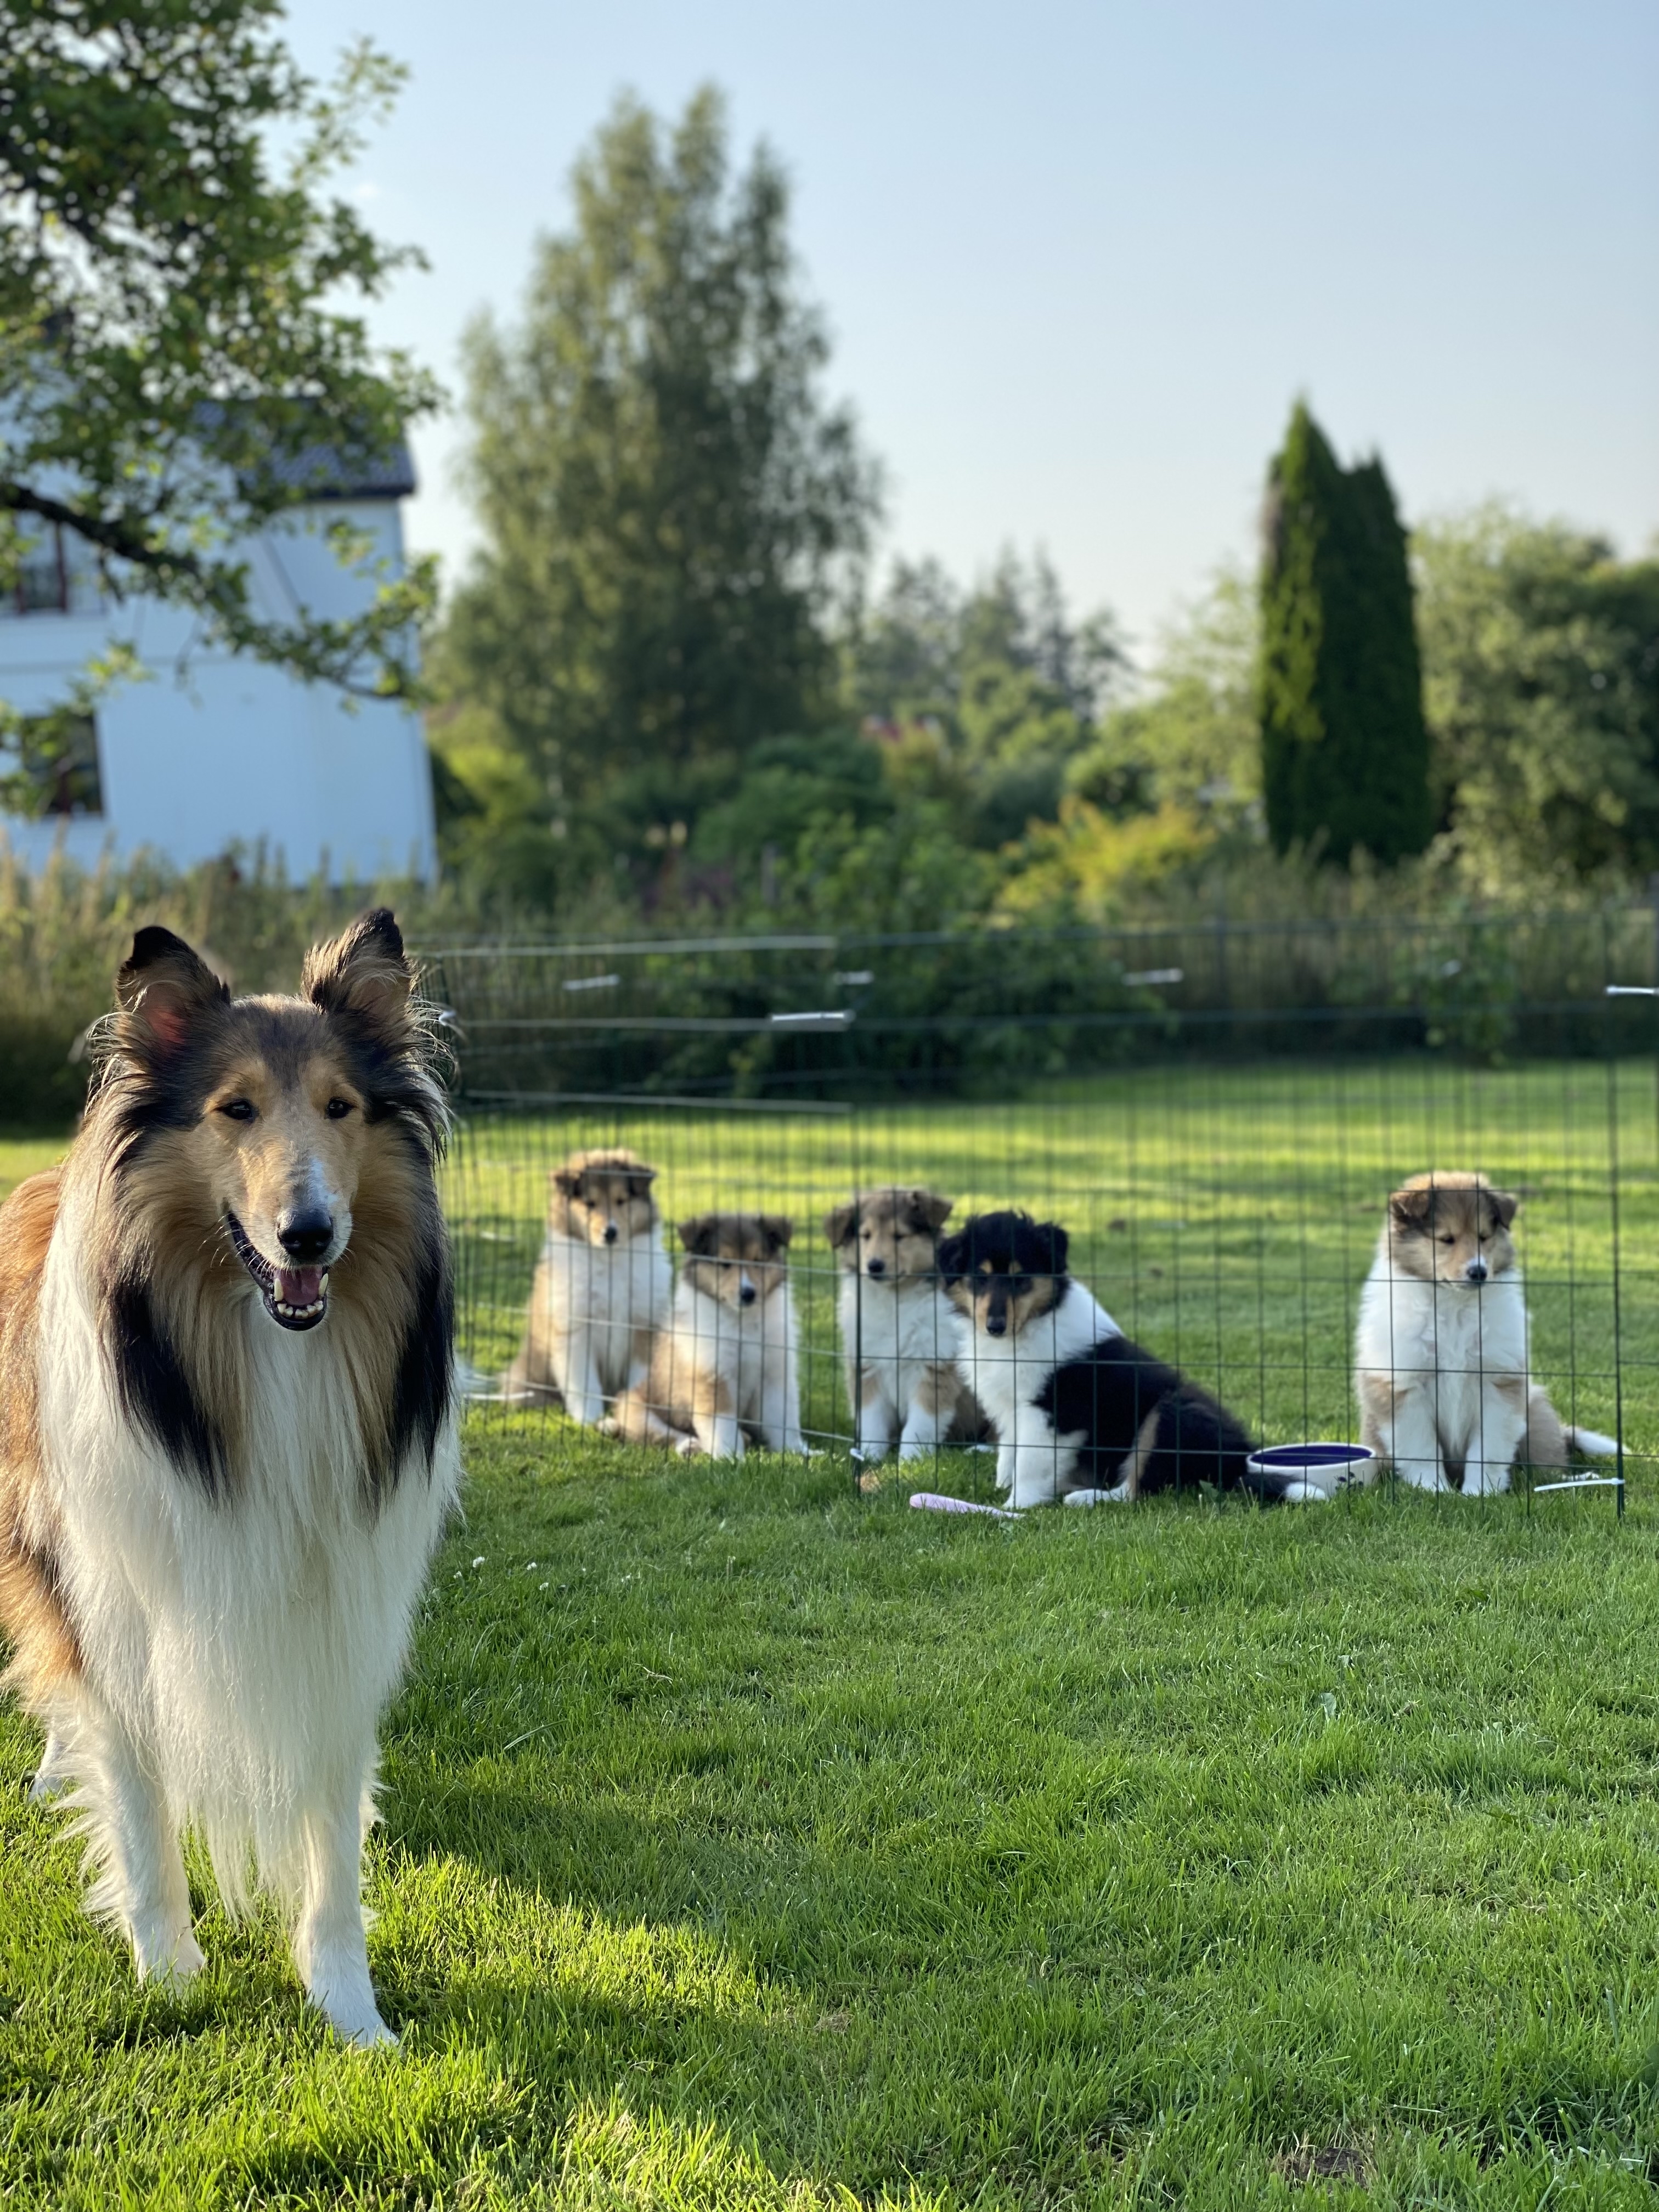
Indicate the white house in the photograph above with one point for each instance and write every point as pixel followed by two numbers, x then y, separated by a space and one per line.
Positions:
pixel 210 749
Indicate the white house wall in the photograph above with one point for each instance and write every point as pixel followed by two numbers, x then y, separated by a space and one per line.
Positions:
pixel 213 750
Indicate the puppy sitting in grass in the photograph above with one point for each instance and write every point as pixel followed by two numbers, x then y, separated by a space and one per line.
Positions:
pixel 898 1328
pixel 1441 1355
pixel 727 1362
pixel 1080 1413
pixel 601 1287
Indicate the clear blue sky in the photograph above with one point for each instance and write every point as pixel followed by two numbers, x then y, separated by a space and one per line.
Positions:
pixel 1078 260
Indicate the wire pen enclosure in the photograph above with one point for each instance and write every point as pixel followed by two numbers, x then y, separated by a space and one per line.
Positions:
pixel 1218 1118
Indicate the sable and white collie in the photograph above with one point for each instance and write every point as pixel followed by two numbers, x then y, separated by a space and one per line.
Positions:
pixel 898 1328
pixel 228 1440
pixel 726 1363
pixel 1441 1362
pixel 602 1286
pixel 1080 1413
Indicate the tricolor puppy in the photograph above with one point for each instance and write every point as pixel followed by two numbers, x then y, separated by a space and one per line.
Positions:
pixel 898 1328
pixel 1080 1413
pixel 601 1287
pixel 1440 1361
pixel 727 1362
pixel 228 1438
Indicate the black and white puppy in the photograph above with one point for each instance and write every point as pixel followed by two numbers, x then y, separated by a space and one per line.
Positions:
pixel 1080 1413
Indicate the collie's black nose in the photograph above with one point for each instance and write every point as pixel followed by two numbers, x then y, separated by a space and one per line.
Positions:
pixel 1476 1271
pixel 747 1294
pixel 609 1232
pixel 306 1236
pixel 876 1266
pixel 996 1324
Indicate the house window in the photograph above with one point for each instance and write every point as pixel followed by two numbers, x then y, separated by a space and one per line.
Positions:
pixel 56 771
pixel 43 576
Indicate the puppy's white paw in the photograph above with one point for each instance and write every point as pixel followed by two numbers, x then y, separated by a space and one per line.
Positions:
pixel 688 1447
pixel 1118 1497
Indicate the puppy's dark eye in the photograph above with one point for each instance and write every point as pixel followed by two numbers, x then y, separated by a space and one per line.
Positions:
pixel 1449 1239
pixel 238 1110
pixel 337 1108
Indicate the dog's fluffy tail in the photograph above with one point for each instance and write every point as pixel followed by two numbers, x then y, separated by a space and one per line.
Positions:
pixel 1592 1442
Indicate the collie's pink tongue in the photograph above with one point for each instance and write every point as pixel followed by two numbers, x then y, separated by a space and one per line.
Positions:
pixel 299 1287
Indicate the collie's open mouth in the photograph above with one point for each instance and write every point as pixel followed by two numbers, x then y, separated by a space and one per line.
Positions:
pixel 295 1298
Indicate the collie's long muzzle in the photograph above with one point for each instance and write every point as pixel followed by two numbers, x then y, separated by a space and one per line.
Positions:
pixel 295 1297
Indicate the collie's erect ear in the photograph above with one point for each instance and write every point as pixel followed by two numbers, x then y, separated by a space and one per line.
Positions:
pixel 1052 1239
pixel 1413 1207
pixel 777 1229
pixel 639 1178
pixel 1504 1204
pixel 164 990
pixel 568 1178
pixel 840 1223
pixel 929 1211
pixel 363 971
pixel 701 1236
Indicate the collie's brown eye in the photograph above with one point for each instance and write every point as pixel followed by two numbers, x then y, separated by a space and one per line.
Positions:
pixel 337 1108
pixel 1449 1239
pixel 238 1110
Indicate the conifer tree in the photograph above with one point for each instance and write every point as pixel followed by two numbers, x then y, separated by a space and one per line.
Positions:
pixel 1345 748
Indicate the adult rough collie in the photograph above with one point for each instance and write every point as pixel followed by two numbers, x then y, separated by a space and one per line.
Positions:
pixel 229 1442
pixel 898 1328
pixel 1440 1361
pixel 725 1364
pixel 1080 1413
pixel 601 1287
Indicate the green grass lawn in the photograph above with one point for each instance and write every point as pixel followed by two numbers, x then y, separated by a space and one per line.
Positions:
pixel 750 1844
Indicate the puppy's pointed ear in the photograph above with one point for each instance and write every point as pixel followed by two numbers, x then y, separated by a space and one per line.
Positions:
pixel 1504 1205
pixel 952 1257
pixel 839 1225
pixel 566 1178
pixel 929 1211
pixel 164 991
pixel 698 1236
pixel 640 1178
pixel 777 1229
pixel 1053 1239
pixel 362 972
pixel 1412 1208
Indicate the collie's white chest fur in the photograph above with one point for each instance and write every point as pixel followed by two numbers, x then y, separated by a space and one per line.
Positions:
pixel 897 1337
pixel 246 1642
pixel 1007 1376
pixel 1440 1369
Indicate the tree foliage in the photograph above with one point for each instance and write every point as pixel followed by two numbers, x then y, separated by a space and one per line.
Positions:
pixel 172 336
pixel 667 500
pixel 1542 661
pixel 1344 749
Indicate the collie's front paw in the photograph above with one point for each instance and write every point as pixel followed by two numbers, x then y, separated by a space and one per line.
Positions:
pixel 168 1961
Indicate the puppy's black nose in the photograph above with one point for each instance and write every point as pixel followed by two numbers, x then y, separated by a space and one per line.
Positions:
pixel 876 1266
pixel 306 1236
pixel 747 1294
pixel 1476 1271
pixel 996 1324
pixel 609 1232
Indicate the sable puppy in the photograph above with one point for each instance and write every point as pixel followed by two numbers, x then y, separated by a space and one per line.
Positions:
pixel 1442 1367
pixel 898 1328
pixel 228 1438
pixel 1080 1413
pixel 727 1362
pixel 601 1287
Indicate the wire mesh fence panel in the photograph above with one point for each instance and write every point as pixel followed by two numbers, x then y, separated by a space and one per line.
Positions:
pixel 1222 1164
